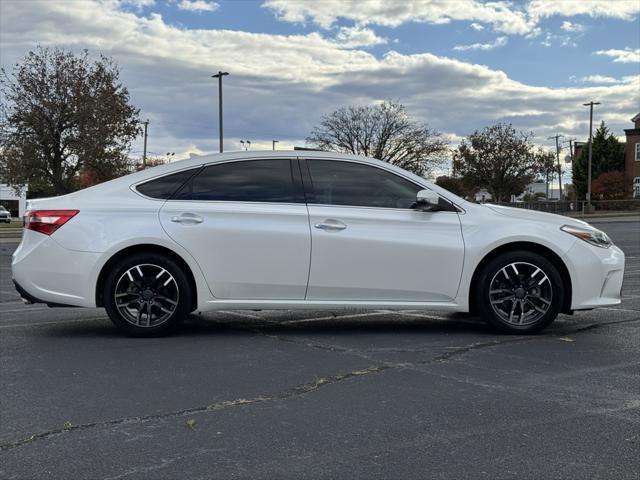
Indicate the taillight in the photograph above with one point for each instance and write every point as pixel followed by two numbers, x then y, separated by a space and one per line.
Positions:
pixel 47 221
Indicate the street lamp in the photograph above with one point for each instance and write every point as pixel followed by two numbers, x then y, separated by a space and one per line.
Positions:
pixel 590 105
pixel 246 144
pixel 219 76
pixel 273 144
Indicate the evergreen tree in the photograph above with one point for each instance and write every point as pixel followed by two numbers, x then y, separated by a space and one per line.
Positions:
pixel 607 156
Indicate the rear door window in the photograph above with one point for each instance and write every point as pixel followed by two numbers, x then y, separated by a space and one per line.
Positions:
pixel 269 180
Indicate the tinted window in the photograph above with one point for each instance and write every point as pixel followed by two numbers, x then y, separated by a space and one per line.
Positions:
pixel 165 187
pixel 246 181
pixel 346 183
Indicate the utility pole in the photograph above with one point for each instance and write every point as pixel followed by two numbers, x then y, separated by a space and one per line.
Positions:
pixel 219 76
pixel 590 105
pixel 557 136
pixel 575 194
pixel 273 144
pixel 144 150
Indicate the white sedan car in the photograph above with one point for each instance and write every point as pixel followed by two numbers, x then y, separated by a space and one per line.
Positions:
pixel 305 230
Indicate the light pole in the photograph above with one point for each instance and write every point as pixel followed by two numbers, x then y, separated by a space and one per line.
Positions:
pixel 590 105
pixel 219 76
pixel 273 144
pixel 144 151
pixel 557 136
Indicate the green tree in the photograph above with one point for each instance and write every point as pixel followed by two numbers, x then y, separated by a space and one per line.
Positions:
pixel 607 156
pixel 455 185
pixel 500 159
pixel 382 131
pixel 64 115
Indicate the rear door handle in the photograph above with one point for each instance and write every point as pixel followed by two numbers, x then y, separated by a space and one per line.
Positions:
pixel 187 219
pixel 330 225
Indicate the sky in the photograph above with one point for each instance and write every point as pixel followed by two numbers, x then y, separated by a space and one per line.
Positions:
pixel 457 65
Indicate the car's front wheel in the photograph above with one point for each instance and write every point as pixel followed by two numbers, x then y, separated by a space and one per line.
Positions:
pixel 519 292
pixel 147 295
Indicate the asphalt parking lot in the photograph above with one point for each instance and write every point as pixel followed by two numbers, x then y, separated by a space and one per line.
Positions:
pixel 321 394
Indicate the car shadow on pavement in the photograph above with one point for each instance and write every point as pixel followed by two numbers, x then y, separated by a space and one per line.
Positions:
pixel 234 325
pixel 271 323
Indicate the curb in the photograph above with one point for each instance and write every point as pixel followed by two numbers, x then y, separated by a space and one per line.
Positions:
pixel 11 233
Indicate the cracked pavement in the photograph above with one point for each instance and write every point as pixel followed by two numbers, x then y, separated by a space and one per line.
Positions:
pixel 357 394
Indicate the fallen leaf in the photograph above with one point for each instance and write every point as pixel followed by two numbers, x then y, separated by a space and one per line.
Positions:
pixel 191 424
pixel 67 425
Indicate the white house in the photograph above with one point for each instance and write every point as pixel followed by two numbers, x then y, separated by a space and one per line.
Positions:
pixel 14 201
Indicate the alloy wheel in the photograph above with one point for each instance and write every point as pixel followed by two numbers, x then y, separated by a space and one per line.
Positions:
pixel 520 293
pixel 146 295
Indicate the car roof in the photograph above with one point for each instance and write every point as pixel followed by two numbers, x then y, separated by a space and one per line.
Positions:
pixel 198 160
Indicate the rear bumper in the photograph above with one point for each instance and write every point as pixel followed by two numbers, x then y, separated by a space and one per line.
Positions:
pixel 596 275
pixel 28 298
pixel 45 272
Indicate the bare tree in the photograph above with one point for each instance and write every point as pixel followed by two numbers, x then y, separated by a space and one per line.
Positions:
pixel 382 131
pixel 64 116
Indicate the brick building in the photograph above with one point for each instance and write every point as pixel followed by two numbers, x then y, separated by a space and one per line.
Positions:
pixel 632 157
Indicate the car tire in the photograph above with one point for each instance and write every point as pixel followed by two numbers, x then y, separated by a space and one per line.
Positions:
pixel 519 292
pixel 147 295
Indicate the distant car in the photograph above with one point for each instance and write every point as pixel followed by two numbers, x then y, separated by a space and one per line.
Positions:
pixel 312 230
pixel 5 216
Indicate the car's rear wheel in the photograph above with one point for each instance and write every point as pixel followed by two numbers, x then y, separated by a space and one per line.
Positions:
pixel 519 292
pixel 147 295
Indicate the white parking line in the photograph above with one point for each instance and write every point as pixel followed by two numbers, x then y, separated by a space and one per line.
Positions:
pixel 25 310
pixel 16 325
pixel 244 315
pixel 420 315
pixel 333 317
pixel 12 294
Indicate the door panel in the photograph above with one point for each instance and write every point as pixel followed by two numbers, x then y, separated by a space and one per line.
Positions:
pixel 384 254
pixel 246 250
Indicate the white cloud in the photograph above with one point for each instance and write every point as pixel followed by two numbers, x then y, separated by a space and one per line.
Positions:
pixel 477 26
pixel 498 42
pixel 198 5
pixel 572 27
pixel 279 85
pixel 628 55
pixel 394 13
pixel 599 79
pixel 351 37
pixel 504 17
pixel 137 3
pixel 620 9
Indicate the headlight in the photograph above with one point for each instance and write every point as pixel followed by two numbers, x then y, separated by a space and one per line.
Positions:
pixel 589 235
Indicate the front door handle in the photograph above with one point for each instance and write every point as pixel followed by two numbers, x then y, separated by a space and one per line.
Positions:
pixel 187 219
pixel 330 225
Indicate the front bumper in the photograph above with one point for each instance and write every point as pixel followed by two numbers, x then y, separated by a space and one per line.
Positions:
pixel 596 275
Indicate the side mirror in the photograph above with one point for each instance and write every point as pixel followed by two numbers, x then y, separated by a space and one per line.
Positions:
pixel 427 201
